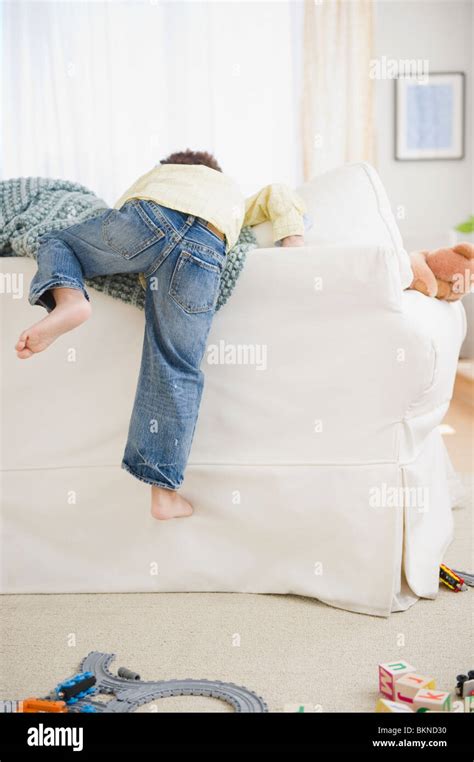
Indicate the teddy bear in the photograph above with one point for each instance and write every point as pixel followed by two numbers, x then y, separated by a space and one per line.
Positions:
pixel 446 273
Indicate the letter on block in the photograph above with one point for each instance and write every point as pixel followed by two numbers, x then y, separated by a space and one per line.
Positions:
pixel 433 701
pixel 407 686
pixel 390 672
pixel 385 705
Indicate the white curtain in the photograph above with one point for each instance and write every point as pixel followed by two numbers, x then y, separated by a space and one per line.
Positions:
pixel 98 92
pixel 337 106
pixel 75 105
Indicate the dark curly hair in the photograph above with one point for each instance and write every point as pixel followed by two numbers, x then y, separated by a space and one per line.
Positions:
pixel 192 157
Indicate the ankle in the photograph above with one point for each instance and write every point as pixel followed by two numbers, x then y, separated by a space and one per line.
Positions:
pixel 161 494
pixel 68 295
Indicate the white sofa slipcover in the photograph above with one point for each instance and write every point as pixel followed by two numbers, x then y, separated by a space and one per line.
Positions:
pixel 325 385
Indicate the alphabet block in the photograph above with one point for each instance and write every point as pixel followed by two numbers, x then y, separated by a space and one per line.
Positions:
pixel 390 672
pixel 408 685
pixel 469 704
pixel 432 701
pixel 384 705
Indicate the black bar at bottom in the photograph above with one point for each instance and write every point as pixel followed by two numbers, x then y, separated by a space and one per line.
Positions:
pixel 84 735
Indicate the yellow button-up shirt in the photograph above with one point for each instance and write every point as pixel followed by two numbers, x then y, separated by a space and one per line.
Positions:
pixel 215 197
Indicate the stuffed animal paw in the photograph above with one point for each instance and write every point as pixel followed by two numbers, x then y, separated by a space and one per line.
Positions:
pixel 445 273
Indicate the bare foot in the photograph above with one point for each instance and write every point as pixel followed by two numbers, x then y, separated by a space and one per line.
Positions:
pixel 166 504
pixel 72 309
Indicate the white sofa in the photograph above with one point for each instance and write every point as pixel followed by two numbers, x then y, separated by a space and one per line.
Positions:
pixel 307 454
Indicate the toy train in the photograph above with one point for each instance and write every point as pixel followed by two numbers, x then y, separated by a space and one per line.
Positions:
pixel 465 684
pixel 451 579
pixel 76 688
pixel 65 695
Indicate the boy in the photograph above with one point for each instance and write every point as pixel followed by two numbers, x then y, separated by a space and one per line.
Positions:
pixel 174 226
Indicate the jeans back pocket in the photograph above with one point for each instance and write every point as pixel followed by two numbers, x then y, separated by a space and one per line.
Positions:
pixel 195 283
pixel 129 231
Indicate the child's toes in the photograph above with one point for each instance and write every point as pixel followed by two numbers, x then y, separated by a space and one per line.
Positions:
pixel 23 354
pixel 22 350
pixel 21 343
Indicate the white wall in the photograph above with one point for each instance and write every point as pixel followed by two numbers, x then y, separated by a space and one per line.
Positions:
pixel 435 194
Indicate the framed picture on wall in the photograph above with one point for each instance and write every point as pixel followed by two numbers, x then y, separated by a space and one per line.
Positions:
pixel 429 117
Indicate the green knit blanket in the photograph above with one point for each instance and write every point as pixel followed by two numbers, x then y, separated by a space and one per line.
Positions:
pixel 33 206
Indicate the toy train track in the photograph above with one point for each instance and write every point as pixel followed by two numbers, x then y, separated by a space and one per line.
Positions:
pixel 130 692
pixel 80 692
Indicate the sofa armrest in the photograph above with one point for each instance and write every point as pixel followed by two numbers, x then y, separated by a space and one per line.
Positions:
pixel 348 207
pixel 438 328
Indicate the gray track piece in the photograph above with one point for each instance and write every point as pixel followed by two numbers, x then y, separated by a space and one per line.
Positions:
pixel 9 706
pixel 128 674
pixel 132 693
pixel 467 576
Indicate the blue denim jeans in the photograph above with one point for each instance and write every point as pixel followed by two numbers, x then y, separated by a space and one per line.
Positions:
pixel 182 261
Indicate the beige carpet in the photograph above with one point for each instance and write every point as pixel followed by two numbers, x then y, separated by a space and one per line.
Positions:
pixel 292 650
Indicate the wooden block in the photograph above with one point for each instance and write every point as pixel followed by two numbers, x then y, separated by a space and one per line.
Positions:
pixel 432 701
pixel 298 708
pixel 469 704
pixel 408 685
pixel 385 705
pixel 458 706
pixel 388 673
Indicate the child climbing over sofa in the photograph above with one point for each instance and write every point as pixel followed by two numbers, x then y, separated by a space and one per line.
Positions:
pixel 175 226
